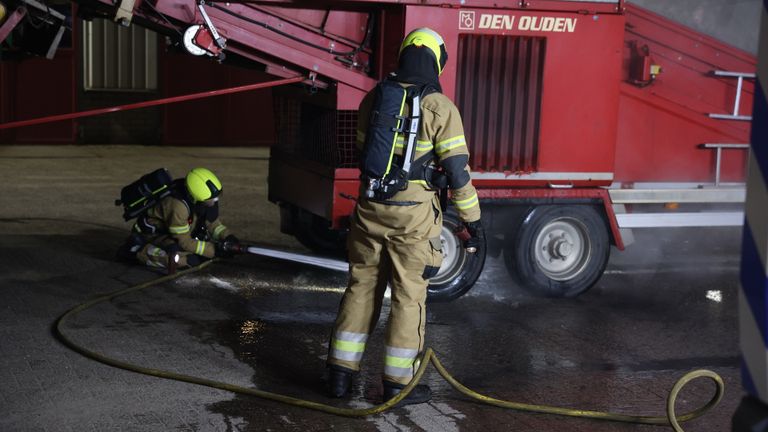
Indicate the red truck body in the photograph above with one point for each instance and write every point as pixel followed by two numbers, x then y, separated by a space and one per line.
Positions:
pixel 538 91
pixel 564 106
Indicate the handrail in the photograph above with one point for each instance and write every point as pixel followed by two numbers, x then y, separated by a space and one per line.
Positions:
pixel 164 101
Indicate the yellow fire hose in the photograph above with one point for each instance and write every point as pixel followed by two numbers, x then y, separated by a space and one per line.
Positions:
pixel 429 357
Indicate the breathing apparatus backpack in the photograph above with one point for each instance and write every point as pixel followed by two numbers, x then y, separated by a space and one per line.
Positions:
pixel 383 173
pixel 144 193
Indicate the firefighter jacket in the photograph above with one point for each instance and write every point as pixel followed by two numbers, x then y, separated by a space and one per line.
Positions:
pixel 175 217
pixel 441 133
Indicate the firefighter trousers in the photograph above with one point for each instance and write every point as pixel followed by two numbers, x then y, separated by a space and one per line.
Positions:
pixel 397 245
pixel 155 253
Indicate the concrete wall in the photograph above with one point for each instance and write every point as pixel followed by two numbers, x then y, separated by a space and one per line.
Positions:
pixel 736 22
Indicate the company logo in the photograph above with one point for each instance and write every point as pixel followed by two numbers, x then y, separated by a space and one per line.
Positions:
pixel 524 23
pixel 467 20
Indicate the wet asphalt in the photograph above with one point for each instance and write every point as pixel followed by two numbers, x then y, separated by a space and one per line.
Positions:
pixel 665 306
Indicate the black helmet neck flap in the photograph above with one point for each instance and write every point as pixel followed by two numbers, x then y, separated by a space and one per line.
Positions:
pixel 417 66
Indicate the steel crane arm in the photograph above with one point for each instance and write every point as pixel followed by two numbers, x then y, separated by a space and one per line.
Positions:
pixel 287 41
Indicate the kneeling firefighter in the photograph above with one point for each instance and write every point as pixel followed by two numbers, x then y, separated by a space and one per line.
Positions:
pixel 177 222
pixel 413 144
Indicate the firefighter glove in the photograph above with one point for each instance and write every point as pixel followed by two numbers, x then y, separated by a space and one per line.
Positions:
pixel 222 250
pixel 232 241
pixel 476 236
pixel 227 247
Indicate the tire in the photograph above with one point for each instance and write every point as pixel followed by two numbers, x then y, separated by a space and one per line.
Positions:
pixel 316 234
pixel 559 251
pixel 459 270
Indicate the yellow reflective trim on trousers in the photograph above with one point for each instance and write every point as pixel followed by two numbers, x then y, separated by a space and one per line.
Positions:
pixel 467 203
pixel 360 136
pixel 155 264
pixel 347 346
pixel 179 229
pixel 421 182
pixel 399 362
pixel 155 251
pixel 394 140
pixel 450 143
pixel 200 248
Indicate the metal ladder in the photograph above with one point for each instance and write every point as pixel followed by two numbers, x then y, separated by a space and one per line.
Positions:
pixel 721 193
pixel 735 114
pixel 718 158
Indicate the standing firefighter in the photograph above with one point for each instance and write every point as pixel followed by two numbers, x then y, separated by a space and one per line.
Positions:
pixel 177 220
pixel 413 143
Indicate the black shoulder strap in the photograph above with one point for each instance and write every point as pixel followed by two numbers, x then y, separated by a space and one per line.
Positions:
pixel 428 89
pixel 415 95
pixel 412 129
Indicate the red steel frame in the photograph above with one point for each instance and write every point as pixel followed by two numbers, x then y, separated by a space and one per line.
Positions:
pixel 243 36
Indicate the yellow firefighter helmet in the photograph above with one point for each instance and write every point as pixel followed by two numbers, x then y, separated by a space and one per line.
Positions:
pixel 426 37
pixel 203 185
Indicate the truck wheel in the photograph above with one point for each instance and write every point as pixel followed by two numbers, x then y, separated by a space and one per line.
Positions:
pixel 316 234
pixel 459 269
pixel 559 251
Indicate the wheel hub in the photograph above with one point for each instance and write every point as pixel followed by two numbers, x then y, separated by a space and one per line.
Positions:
pixel 562 248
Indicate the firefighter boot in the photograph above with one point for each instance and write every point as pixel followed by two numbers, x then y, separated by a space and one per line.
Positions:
pixel 339 380
pixel 127 252
pixel 420 394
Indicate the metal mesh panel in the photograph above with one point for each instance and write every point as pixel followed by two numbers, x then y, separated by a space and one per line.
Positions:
pixel 309 132
pixel 498 91
pixel 346 127
pixel 287 115
pixel 317 134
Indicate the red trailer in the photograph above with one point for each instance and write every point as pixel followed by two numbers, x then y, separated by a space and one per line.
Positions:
pixel 582 118
pixel 574 111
